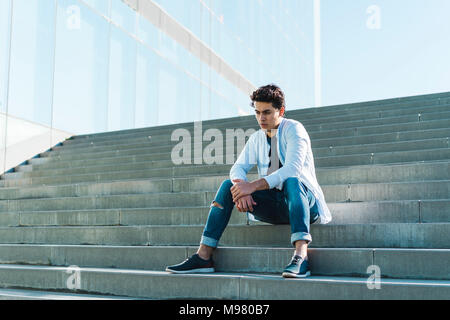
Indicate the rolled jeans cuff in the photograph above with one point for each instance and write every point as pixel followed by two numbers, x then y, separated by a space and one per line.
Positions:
pixel 300 236
pixel 210 242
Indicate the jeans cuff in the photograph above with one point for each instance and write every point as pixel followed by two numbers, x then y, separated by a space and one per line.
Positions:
pixel 210 242
pixel 301 236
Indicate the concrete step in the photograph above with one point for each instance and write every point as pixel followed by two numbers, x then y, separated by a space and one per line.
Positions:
pixel 223 156
pixel 320 143
pixel 144 160
pixel 368 173
pixel 161 285
pixel 393 263
pixel 89 189
pixel 314 126
pixel 315 136
pixel 318 131
pixel 114 217
pixel 376 235
pixel 28 294
pixel 418 190
pixel 422 171
pixel 310 115
pixel 400 211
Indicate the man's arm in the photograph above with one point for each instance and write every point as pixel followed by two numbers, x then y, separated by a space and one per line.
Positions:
pixel 260 184
pixel 244 163
pixel 244 188
pixel 294 161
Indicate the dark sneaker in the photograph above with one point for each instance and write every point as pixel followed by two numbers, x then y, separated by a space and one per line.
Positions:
pixel 298 268
pixel 194 264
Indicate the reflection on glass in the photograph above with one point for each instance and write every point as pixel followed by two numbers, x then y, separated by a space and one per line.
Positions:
pixel 205 102
pixel 167 96
pixel 147 32
pixel 123 15
pixel 32 53
pixel 2 141
pixel 5 24
pixel 81 69
pixel 194 98
pixel 122 81
pixel 146 88
pixel 102 6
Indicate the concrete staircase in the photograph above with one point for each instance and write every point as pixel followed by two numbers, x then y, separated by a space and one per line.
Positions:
pixel 115 206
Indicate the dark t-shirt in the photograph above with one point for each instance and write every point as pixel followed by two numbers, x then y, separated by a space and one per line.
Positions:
pixel 269 140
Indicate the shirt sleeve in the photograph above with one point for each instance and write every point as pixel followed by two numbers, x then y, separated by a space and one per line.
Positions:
pixel 296 151
pixel 245 162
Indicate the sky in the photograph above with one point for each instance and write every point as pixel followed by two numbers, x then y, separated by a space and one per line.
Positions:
pixel 399 48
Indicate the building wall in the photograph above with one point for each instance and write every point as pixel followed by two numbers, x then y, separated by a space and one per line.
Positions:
pixel 72 67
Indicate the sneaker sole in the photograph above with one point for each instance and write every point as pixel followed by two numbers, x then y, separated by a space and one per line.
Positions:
pixel 293 275
pixel 201 270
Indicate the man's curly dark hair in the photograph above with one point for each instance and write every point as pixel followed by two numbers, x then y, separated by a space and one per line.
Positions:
pixel 270 93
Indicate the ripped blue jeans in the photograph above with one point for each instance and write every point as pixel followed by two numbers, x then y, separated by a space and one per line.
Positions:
pixel 294 205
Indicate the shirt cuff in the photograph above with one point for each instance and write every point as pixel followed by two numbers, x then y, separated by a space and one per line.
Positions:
pixel 235 177
pixel 272 180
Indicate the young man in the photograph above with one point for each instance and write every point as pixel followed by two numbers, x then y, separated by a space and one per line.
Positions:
pixel 286 193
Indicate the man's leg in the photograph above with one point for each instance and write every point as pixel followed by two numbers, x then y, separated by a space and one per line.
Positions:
pixel 268 203
pixel 218 218
pixel 271 207
pixel 299 200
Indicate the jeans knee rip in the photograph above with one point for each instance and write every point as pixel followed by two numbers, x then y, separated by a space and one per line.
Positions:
pixel 216 204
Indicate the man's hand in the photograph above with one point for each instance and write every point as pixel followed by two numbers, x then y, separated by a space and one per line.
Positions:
pixel 245 204
pixel 241 189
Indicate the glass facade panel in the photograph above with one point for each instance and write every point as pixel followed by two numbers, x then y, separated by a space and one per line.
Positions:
pixel 122 81
pixel 5 30
pixel 205 102
pixel 2 142
pixel 147 32
pixel 81 71
pixel 31 63
pixel 101 6
pixel 167 93
pixel 194 99
pixel 146 87
pixel 123 16
pixel 87 66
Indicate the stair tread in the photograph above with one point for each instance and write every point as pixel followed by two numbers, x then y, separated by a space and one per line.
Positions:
pixel 32 294
pixel 232 275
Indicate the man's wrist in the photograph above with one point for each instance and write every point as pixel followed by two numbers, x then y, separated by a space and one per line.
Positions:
pixel 260 184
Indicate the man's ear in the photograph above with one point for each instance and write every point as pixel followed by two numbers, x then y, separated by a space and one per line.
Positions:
pixel 282 111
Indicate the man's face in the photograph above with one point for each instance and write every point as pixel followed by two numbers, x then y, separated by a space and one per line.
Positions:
pixel 267 116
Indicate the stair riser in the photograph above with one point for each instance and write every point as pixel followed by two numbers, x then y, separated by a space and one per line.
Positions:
pixel 411 172
pixel 332 140
pixel 338 193
pixel 308 116
pixel 131 284
pixel 440 141
pixel 343 213
pixel 407 156
pixel 322 129
pixel 337 262
pixel 314 135
pixel 167 286
pixel 400 235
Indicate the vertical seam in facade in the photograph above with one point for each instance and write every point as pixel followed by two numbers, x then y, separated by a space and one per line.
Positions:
pixel 55 24
pixel 11 11
pixel 108 68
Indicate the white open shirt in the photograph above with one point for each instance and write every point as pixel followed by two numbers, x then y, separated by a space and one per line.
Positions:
pixel 295 154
